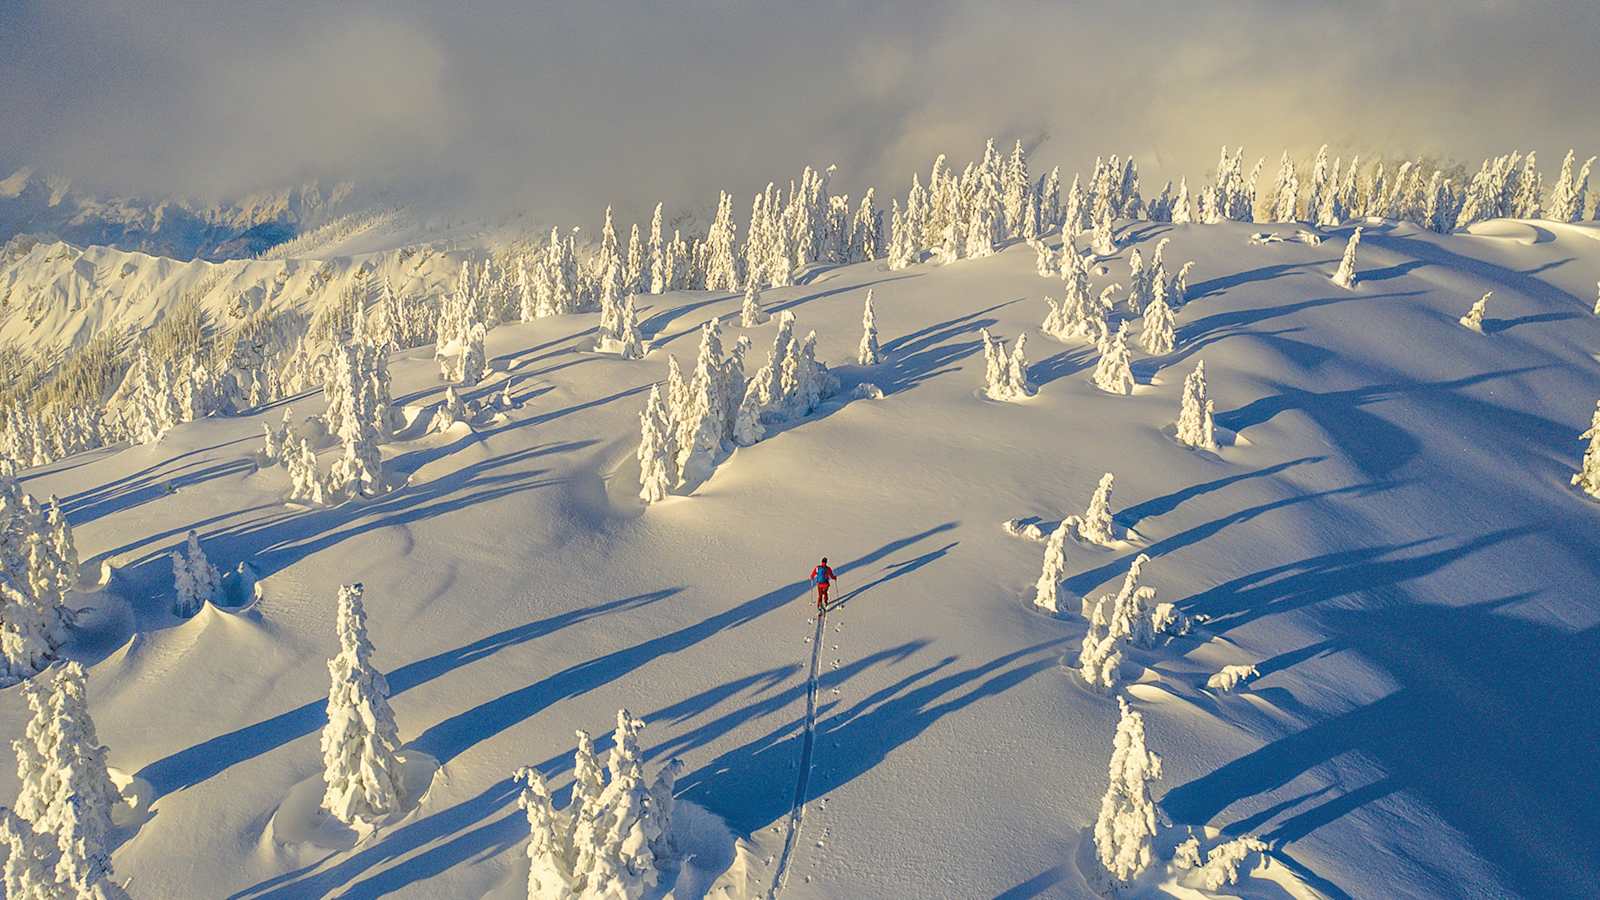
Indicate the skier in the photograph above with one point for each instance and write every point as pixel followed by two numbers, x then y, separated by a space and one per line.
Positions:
pixel 821 576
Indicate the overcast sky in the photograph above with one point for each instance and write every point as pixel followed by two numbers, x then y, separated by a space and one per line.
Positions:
pixel 561 108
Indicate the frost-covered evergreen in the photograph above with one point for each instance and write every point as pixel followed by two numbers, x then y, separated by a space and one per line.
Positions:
pixel 65 789
pixel 29 870
pixel 788 387
pixel 196 581
pixel 1183 207
pixel 1100 657
pixel 868 353
pixel 1078 316
pixel 750 313
pixel 1095 526
pixel 1588 477
pixel 1076 214
pixel 1125 830
pixel 38 567
pixel 630 344
pixel 1286 191
pixel 722 263
pixel 1320 184
pixel 1005 374
pixel 1567 200
pixel 360 740
pixel 702 423
pixel 306 481
pixel 1157 334
pixel 549 872
pixel 1473 320
pixel 1103 240
pixel 1196 427
pixel 1229 677
pixel 657 282
pixel 1114 372
pixel 1047 592
pixel 658 468
pixel 1346 276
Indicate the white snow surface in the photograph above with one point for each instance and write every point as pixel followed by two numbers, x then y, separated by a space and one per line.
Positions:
pixel 1392 543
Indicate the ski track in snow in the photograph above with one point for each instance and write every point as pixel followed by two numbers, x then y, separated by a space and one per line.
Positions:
pixel 797 811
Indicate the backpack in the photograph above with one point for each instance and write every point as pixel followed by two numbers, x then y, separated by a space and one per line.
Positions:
pixel 821 574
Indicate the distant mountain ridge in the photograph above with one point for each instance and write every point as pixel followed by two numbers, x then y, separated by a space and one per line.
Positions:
pixel 47 205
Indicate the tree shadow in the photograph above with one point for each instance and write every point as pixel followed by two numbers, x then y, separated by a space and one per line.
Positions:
pixel 1495 326
pixel 200 762
pixel 1160 506
pixel 1212 287
pixel 139 487
pixel 1429 253
pixel 1061 365
pixel 920 355
pixel 1494 724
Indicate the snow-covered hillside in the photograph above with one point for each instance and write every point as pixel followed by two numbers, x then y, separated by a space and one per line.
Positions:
pixel 1385 532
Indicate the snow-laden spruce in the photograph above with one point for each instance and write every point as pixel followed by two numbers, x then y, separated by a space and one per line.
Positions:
pixel 1078 316
pixel 1114 371
pixel 306 481
pixel 1047 592
pixel 610 840
pixel 1133 616
pixel 1473 320
pixel 1196 427
pixel 1103 239
pixel 1567 200
pixel 65 791
pixel 38 568
pixel 278 443
pixel 658 466
pixel 1005 375
pixel 360 742
pixel 1588 477
pixel 1125 830
pixel 196 581
pixel 1100 657
pixel 630 344
pixel 1095 526
pixel 750 313
pixel 1157 334
pixel 1140 290
pixel 1345 277
pixel 29 870
pixel 1231 676
pixel 868 353
pixel 704 421
pixel 788 387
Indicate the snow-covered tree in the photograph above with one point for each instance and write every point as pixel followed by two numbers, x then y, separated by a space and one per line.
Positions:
pixel 788 387
pixel 1157 334
pixel 701 423
pixel 1114 372
pixel 306 481
pixel 1078 316
pixel 751 314
pixel 1076 214
pixel 1005 374
pixel 38 567
pixel 1183 207
pixel 1095 526
pixel 657 282
pixel 634 277
pixel 1588 477
pixel 630 344
pixel 473 361
pixel 658 468
pixel 1286 193
pixel 1047 592
pixel 1568 199
pixel 195 579
pixel 1100 657
pixel 29 873
pixel 65 788
pixel 1473 320
pixel 585 810
pixel 1320 184
pixel 1125 830
pixel 868 354
pixel 1346 276
pixel 1103 240
pixel 549 873
pixel 1229 677
pixel 1195 426
pixel 722 264
pixel 613 848
pixel 360 742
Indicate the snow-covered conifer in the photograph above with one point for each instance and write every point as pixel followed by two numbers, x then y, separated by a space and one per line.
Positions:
pixel 1114 371
pixel 700 423
pixel 28 873
pixel 360 740
pixel 473 361
pixel 1287 191
pixel 1078 317
pixel 722 265
pixel 196 580
pixel 1076 212
pixel 1473 320
pixel 1157 333
pixel 549 877
pixel 1103 240
pixel 305 479
pixel 1100 657
pixel 1319 184
pixel 1005 374
pixel 630 344
pixel 1229 677
pixel 588 783
pixel 1183 207
pixel 658 468
pixel 657 282
pixel 1588 477
pixel 662 803
pixel 1195 427
pixel 1125 830
pixel 1530 191
pixel 635 272
pixel 1346 276
pixel 1047 592
pixel 1095 527
pixel 1044 259
pixel 1568 199
pixel 868 354
pixel 622 864
pixel 751 314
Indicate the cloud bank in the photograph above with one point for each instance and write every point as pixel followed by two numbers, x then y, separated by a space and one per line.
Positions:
pixel 558 109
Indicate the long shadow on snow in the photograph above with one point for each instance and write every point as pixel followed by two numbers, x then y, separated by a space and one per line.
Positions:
pixel 1219 285
pixel 1160 506
pixel 923 354
pixel 142 486
pixel 1427 253
pixel 195 764
pixel 447 739
pixel 506 831
pixel 1493 723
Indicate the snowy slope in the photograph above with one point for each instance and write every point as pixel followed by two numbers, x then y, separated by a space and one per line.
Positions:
pixel 1390 540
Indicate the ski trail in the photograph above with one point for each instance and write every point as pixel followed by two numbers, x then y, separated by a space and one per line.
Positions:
pixel 797 810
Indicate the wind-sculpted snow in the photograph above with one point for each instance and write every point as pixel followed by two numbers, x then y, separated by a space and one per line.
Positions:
pixel 1362 637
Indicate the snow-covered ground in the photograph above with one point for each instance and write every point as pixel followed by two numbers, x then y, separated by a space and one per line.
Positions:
pixel 1386 533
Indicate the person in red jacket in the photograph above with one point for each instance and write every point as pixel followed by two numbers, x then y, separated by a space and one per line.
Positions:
pixel 822 576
